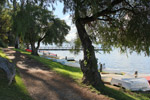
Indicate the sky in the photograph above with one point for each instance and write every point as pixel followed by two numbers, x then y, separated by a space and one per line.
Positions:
pixel 59 13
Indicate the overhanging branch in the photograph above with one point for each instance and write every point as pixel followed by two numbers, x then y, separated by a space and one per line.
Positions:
pixel 105 12
pixel 39 41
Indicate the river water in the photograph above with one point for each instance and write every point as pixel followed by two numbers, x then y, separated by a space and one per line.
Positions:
pixel 116 60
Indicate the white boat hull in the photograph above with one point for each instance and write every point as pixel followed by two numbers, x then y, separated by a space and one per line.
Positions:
pixel 133 84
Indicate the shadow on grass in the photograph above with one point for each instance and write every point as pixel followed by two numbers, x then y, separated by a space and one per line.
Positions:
pixel 76 74
pixel 116 94
pixel 13 92
pixel 71 72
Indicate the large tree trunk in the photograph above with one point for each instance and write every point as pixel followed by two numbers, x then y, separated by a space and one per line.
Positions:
pixel 89 64
pixel 27 45
pixel 17 38
pixel 34 49
pixel 17 42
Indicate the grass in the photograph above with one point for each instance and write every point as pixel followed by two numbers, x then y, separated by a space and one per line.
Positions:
pixel 76 74
pixel 2 54
pixel 15 91
pixel 72 72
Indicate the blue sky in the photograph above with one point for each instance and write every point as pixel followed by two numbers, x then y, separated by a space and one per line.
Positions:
pixel 59 10
pixel 59 13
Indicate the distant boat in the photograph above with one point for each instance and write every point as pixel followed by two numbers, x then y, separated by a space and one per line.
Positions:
pixel 147 78
pixel 49 54
pixel 28 50
pixel 73 64
pixel 69 58
pixel 68 63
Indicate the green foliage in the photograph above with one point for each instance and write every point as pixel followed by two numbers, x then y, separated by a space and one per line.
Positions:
pixel 2 44
pixel 5 26
pixel 57 32
pixel 122 24
pixel 2 54
pixel 35 24
pixel 2 2
pixel 77 46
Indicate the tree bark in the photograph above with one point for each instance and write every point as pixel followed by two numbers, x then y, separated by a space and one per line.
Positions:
pixel 89 63
pixel 17 42
pixel 34 49
pixel 27 44
pixel 17 38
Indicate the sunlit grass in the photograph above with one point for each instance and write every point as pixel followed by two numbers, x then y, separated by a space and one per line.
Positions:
pixel 15 91
pixel 71 72
pixel 76 74
pixel 2 54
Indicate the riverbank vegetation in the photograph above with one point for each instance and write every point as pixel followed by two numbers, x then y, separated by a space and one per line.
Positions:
pixel 15 91
pixel 116 23
pixel 44 26
pixel 76 74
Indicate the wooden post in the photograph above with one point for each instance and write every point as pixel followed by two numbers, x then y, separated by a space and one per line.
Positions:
pixel 136 74
pixel 80 61
pixel 66 58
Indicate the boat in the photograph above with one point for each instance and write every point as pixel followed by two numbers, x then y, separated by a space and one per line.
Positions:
pixel 133 84
pixel 107 77
pixel 51 55
pixel 147 78
pixel 69 58
pixel 62 61
pixel 72 64
pixel 28 50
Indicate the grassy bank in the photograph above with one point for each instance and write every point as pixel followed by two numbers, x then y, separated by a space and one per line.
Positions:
pixel 72 72
pixel 76 74
pixel 16 91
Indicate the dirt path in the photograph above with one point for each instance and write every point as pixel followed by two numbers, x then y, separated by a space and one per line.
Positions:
pixel 44 84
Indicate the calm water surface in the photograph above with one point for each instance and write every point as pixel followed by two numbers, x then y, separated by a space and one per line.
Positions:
pixel 115 60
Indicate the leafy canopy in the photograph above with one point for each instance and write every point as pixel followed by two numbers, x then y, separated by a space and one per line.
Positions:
pixel 38 24
pixel 5 24
pixel 120 23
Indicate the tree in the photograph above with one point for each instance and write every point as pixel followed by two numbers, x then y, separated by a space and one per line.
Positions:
pixel 109 19
pixel 40 25
pixel 2 2
pixel 14 2
pixel 5 24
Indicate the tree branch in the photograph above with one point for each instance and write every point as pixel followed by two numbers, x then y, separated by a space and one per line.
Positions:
pixel 104 12
pixel 104 19
pixel 39 41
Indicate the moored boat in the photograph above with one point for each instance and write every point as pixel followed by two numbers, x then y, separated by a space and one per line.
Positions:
pixel 147 78
pixel 133 84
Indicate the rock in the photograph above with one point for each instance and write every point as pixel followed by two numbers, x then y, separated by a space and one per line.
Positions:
pixel 3 75
pixel 9 68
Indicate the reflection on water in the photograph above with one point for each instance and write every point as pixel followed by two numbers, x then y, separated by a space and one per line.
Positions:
pixel 115 60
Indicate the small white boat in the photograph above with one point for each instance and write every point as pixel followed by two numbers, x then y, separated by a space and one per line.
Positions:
pixel 69 61
pixel 72 64
pixel 133 84
pixel 69 58
pixel 62 61
pixel 107 77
